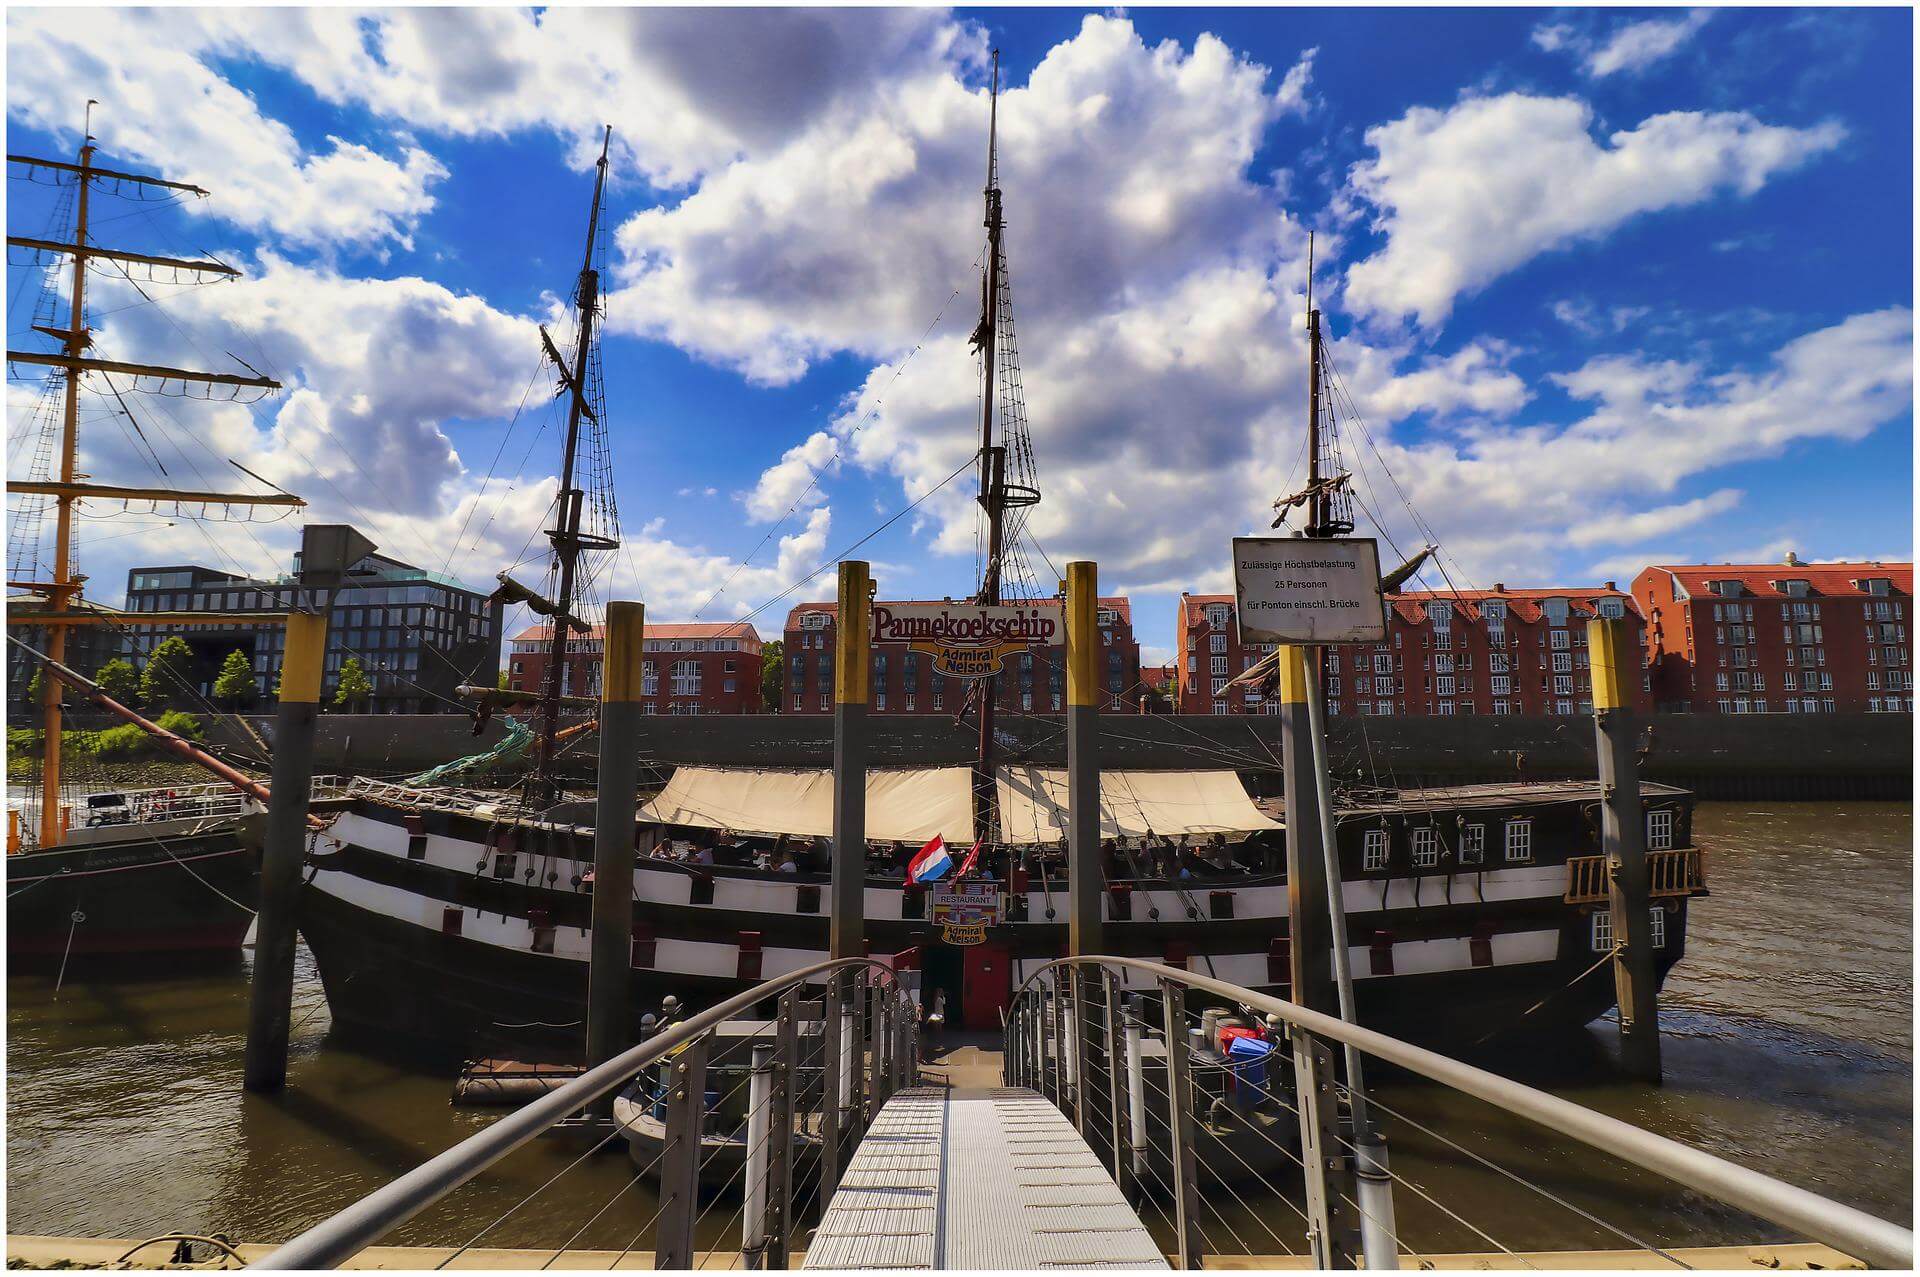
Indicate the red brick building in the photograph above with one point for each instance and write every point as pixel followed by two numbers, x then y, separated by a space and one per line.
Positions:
pixel 1793 637
pixel 1159 685
pixel 1497 651
pixel 904 681
pixel 701 668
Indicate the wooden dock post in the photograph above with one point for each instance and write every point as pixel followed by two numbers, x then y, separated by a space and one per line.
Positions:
pixel 610 959
pixel 270 1001
pixel 1616 664
pixel 852 677
pixel 1309 929
pixel 1083 761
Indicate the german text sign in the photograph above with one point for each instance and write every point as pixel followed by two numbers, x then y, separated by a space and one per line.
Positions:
pixel 1309 591
pixel 967 640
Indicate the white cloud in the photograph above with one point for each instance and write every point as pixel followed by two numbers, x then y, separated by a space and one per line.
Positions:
pixel 1652 428
pixel 1292 96
pixel 164 105
pixel 1624 527
pixel 1467 194
pixel 1630 46
pixel 1122 164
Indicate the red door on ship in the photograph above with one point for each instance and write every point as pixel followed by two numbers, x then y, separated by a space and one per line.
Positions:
pixel 987 983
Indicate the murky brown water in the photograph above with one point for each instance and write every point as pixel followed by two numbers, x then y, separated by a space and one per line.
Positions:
pixel 1788 1046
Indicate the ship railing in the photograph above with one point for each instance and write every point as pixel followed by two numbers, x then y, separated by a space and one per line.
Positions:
pixel 1679 872
pixel 146 806
pixel 1223 1114
pixel 802 1088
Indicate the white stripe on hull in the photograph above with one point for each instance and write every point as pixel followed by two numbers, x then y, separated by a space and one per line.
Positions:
pixel 883 904
pixel 708 958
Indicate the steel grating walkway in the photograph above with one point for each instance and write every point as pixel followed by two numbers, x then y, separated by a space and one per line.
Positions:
pixel 978 1179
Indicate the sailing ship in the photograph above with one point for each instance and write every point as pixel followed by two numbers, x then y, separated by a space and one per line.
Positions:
pixel 114 872
pixel 457 919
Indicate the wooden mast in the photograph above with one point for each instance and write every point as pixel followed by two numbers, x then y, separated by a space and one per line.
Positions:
pixel 75 340
pixel 60 597
pixel 565 535
pixel 992 460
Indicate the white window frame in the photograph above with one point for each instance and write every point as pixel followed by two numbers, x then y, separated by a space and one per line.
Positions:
pixel 1660 829
pixel 1519 841
pixel 1473 844
pixel 1601 931
pixel 1374 850
pixel 1426 847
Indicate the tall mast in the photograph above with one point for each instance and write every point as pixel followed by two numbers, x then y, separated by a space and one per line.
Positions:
pixel 992 459
pixel 1317 501
pixel 565 535
pixel 60 597
pixel 75 339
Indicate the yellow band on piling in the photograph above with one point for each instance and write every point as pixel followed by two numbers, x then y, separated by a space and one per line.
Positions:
pixel 852 664
pixel 1083 634
pixel 1615 660
pixel 304 659
pixel 1293 675
pixel 620 679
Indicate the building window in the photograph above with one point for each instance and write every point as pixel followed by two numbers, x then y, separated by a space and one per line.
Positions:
pixel 1473 844
pixel 797 699
pixel 1519 841
pixel 1220 707
pixel 1374 851
pixel 1657 927
pixel 1426 848
pixel 1602 931
pixel 1216 643
pixel 1660 829
pixel 686 678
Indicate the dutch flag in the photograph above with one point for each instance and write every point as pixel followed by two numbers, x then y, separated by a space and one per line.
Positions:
pixel 930 862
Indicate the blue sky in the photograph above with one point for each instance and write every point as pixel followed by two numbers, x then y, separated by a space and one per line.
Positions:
pixel 1607 287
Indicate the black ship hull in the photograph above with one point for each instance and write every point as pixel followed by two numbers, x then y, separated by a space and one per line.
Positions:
pixel 453 936
pixel 141 892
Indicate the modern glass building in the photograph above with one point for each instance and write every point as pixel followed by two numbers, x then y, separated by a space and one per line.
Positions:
pixel 417 634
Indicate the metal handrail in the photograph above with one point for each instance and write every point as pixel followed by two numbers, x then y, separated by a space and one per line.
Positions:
pixel 338 1238
pixel 1878 1242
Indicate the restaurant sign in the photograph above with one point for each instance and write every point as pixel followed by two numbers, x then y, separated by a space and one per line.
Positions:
pixel 964 910
pixel 967 640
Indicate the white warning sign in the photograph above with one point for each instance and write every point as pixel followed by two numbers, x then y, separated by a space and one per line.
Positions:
pixel 1308 591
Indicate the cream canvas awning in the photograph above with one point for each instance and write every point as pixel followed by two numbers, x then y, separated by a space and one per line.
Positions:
pixel 1033 802
pixel 909 805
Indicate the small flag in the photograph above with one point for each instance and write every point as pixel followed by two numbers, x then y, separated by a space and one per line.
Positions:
pixel 930 862
pixel 967 861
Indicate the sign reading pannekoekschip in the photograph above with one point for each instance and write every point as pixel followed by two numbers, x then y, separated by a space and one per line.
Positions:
pixel 967 640
pixel 1309 591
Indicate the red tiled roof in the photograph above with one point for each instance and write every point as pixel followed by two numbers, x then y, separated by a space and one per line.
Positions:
pixel 1118 603
pixel 1158 676
pixel 1823 579
pixel 664 630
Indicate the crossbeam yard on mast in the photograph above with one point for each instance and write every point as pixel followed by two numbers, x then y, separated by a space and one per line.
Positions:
pixel 73 363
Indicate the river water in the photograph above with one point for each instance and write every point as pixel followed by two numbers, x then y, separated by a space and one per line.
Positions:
pixel 1788 1046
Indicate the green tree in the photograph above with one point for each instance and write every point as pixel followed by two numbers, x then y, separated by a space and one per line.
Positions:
pixel 234 686
pixel 354 687
pixel 773 676
pixel 164 680
pixel 118 679
pixel 501 682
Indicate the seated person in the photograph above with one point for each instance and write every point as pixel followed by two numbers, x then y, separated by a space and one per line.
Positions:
pixel 786 863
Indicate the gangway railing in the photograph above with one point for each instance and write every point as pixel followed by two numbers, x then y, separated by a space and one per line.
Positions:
pixel 843 1039
pixel 1131 1051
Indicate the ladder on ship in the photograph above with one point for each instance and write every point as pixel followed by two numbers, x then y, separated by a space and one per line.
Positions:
pixel 1112 1141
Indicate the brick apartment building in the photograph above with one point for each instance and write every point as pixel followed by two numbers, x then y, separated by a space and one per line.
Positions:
pixel 699 668
pixel 1792 637
pixel 1497 651
pixel 904 681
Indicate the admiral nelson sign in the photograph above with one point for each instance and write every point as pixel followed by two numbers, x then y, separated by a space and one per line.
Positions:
pixel 967 640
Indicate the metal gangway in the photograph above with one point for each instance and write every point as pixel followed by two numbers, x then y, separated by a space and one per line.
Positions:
pixel 1121 1136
